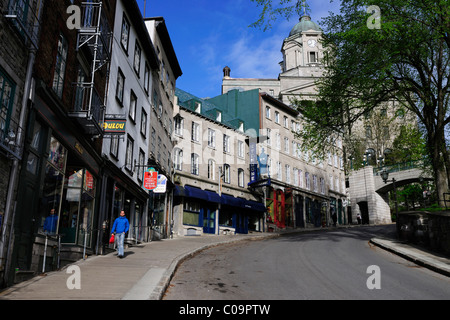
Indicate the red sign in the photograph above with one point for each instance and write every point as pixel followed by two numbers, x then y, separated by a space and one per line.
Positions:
pixel 150 179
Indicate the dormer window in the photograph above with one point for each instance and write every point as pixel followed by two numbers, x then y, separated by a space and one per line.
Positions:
pixel 198 107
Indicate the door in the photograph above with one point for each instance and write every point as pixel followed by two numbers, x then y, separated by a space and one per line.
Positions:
pixel 299 221
pixel 209 221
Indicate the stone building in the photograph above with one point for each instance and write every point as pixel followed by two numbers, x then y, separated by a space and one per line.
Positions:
pixel 211 171
pixel 298 190
pixel 60 173
pixel 19 35
pixel 160 144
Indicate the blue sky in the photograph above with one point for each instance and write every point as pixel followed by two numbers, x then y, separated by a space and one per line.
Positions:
pixel 210 34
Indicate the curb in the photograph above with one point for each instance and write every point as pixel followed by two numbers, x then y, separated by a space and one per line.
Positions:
pixel 418 259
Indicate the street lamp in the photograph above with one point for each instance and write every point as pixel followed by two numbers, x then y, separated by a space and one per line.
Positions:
pixel 385 175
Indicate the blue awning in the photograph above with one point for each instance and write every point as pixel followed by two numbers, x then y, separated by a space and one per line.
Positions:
pixel 253 205
pixel 231 201
pixel 179 191
pixel 197 193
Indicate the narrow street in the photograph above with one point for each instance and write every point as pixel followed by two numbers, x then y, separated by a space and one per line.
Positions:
pixel 332 264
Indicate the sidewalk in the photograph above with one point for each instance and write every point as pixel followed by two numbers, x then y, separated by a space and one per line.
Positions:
pixel 143 274
pixel 146 270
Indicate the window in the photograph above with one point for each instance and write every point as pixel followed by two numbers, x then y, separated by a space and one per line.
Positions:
pixel 137 58
pixel 129 154
pixel 114 147
pixel 295 174
pixel 125 34
pixel 313 57
pixel 227 174
pixel 285 122
pixel 240 149
pixel 146 78
pixel 191 213
pixel 277 117
pixel 226 143
pixel 133 103
pixel 194 163
pixel 120 86
pixel 178 159
pixel 315 184
pixel 144 123
pixel 211 138
pixel 286 145
pixel 211 169
pixel 268 112
pixel 300 178
pixel 287 169
pixel 219 116
pixel 60 66
pixel 322 185
pixel 198 107
pixel 331 182
pixel 179 122
pixel 241 177
pixel 140 172
pixel 279 173
pixel 308 181
pixel 278 141
pixel 7 90
pixel 195 134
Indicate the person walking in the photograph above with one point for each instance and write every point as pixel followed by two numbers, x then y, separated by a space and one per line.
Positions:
pixel 120 227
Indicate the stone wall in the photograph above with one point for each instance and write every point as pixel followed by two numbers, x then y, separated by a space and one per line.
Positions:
pixel 430 229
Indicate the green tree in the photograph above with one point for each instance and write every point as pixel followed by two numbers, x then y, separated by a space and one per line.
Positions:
pixel 406 60
pixel 409 145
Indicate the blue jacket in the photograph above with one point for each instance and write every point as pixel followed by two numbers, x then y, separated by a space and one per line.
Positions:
pixel 50 223
pixel 120 225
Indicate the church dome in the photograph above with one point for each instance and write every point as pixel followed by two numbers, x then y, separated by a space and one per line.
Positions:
pixel 304 24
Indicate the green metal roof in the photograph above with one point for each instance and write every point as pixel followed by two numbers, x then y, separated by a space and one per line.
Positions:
pixel 303 25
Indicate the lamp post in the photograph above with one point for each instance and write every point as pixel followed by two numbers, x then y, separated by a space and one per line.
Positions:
pixel 385 175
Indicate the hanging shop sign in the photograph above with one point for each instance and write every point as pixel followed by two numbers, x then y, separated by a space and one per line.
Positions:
pixel 150 179
pixel 161 185
pixel 114 126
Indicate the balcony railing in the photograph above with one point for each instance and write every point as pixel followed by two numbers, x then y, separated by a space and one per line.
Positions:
pixel 9 131
pixel 24 16
pixel 95 32
pixel 88 109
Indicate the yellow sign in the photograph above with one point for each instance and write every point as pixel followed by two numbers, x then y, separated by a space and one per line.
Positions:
pixel 114 126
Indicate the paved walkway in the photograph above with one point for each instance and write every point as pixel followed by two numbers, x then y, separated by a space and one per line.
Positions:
pixel 146 270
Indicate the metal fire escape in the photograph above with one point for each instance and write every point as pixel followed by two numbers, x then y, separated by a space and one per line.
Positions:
pixel 94 40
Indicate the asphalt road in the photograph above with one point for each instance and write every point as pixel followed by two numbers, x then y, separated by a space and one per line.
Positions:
pixel 336 264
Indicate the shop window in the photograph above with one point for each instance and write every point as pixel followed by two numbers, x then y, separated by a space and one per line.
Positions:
pixel 77 208
pixel 191 213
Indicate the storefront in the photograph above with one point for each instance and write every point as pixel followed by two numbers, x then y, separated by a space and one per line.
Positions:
pixel 59 181
pixel 205 211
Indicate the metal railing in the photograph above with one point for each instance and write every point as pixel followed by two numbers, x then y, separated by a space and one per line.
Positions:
pixel 402 166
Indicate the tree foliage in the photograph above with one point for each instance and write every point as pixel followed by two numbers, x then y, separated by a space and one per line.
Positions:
pixel 406 60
